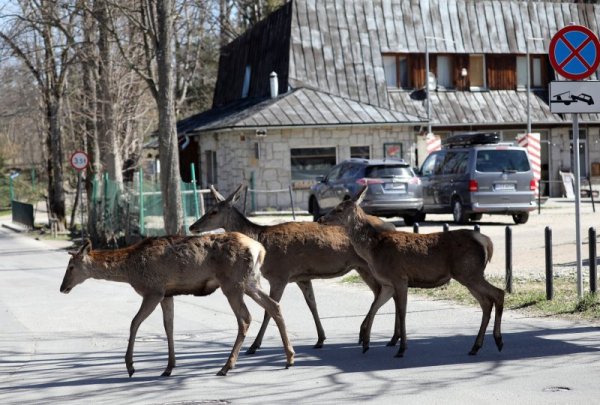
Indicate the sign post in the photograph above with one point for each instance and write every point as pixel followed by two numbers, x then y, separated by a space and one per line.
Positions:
pixel 575 54
pixel 79 161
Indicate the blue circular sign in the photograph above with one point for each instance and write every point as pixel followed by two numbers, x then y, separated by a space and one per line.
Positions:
pixel 574 52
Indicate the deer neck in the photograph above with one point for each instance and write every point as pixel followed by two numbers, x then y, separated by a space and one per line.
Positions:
pixel 362 233
pixel 237 222
pixel 109 265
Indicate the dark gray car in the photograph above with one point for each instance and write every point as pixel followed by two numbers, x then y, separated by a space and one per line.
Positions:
pixel 475 174
pixel 394 188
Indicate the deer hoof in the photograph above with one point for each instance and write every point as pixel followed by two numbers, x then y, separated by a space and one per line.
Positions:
pixel 365 348
pixel 392 342
pixel 499 343
pixel 166 373
pixel 130 371
pixel 318 345
pixel 223 372
pixel 252 349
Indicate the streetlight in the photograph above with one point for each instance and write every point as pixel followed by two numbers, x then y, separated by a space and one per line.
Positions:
pixel 427 99
pixel 528 67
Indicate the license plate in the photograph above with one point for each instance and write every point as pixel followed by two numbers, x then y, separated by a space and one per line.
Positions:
pixel 395 187
pixel 504 187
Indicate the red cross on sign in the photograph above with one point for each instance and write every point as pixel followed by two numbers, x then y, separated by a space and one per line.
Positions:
pixel 574 52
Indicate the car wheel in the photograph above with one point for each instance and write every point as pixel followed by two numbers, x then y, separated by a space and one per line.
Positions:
pixel 521 218
pixel 315 209
pixel 409 220
pixel 458 212
pixel 475 217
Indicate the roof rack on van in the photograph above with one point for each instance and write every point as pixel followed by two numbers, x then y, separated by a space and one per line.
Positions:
pixel 471 138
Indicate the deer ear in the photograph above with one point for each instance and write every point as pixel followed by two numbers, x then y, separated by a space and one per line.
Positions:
pixel 360 196
pixel 86 248
pixel 237 194
pixel 216 194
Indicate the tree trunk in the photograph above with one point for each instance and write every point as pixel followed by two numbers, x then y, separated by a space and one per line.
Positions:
pixel 56 193
pixel 167 130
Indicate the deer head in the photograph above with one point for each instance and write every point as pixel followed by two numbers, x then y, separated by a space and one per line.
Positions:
pixel 346 211
pixel 77 269
pixel 221 214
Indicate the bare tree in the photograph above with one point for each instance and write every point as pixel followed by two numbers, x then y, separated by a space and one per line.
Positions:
pixel 42 36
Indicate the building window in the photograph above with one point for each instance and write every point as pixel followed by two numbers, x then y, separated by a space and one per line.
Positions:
pixel 246 86
pixel 308 163
pixel 360 152
pixel 538 72
pixel 396 71
pixel 445 69
pixel 211 166
pixel 477 72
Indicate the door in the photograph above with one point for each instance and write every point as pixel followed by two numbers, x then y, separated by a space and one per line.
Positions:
pixel 429 180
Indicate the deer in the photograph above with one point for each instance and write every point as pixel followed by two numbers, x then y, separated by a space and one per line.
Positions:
pixel 159 268
pixel 399 260
pixel 297 252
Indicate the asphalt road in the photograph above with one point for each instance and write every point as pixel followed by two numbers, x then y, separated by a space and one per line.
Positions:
pixel 58 348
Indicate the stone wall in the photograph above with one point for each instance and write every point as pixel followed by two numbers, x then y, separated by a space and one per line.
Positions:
pixel 265 161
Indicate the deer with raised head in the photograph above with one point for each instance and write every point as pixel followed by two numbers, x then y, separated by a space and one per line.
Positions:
pixel 400 260
pixel 297 252
pixel 160 268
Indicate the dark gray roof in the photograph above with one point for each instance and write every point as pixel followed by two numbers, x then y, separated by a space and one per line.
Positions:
pixel 299 107
pixel 337 45
pixel 494 107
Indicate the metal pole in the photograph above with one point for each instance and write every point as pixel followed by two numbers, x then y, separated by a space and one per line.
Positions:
pixel 416 227
pixel 528 87
pixel 593 258
pixel 292 202
pixel 11 190
pixel 80 183
pixel 577 203
pixel 549 271
pixel 509 277
pixel 427 86
pixel 141 188
pixel 33 180
pixel 196 206
pixel 184 207
pixel 589 179
pixel 446 228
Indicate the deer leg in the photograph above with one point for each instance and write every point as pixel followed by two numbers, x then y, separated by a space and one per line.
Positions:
pixel 487 295
pixel 168 310
pixel 235 296
pixel 149 303
pixel 375 286
pixel 309 296
pixel 276 293
pixel 272 308
pixel 384 296
pixel 397 331
pixel 401 299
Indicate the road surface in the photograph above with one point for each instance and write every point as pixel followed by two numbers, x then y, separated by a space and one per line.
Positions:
pixel 59 349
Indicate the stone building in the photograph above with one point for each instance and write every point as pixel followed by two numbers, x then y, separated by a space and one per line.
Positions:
pixel 350 82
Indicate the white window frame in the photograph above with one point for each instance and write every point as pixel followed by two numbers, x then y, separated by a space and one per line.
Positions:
pixel 444 72
pixel 483 73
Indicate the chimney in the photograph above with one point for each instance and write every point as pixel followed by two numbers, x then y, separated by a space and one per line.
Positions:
pixel 274 84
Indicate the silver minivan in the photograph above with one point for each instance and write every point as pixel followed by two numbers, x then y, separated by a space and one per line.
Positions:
pixel 475 174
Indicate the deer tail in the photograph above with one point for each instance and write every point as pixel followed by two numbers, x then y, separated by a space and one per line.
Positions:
pixel 487 245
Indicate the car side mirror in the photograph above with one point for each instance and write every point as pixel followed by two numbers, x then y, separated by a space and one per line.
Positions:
pixel 320 179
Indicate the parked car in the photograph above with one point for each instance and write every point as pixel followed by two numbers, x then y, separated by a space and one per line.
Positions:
pixel 475 174
pixel 394 188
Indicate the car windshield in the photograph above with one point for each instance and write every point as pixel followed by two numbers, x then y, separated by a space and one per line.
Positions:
pixel 382 171
pixel 497 160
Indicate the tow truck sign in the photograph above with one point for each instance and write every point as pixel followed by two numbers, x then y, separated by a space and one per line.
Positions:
pixel 575 97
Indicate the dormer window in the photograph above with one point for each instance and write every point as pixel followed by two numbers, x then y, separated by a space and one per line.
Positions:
pixel 477 80
pixel 396 71
pixel 539 73
pixel 246 86
pixel 444 72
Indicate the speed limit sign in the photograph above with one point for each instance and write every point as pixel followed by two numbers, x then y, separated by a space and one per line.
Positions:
pixel 79 160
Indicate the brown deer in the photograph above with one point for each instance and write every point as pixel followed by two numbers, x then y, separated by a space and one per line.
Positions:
pixel 296 252
pixel 160 268
pixel 400 260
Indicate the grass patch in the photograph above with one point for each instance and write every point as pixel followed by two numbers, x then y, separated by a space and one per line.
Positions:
pixel 529 296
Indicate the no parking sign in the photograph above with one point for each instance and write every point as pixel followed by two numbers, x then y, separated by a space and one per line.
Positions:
pixel 575 52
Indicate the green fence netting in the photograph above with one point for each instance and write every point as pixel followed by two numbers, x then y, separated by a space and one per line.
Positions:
pixel 137 207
